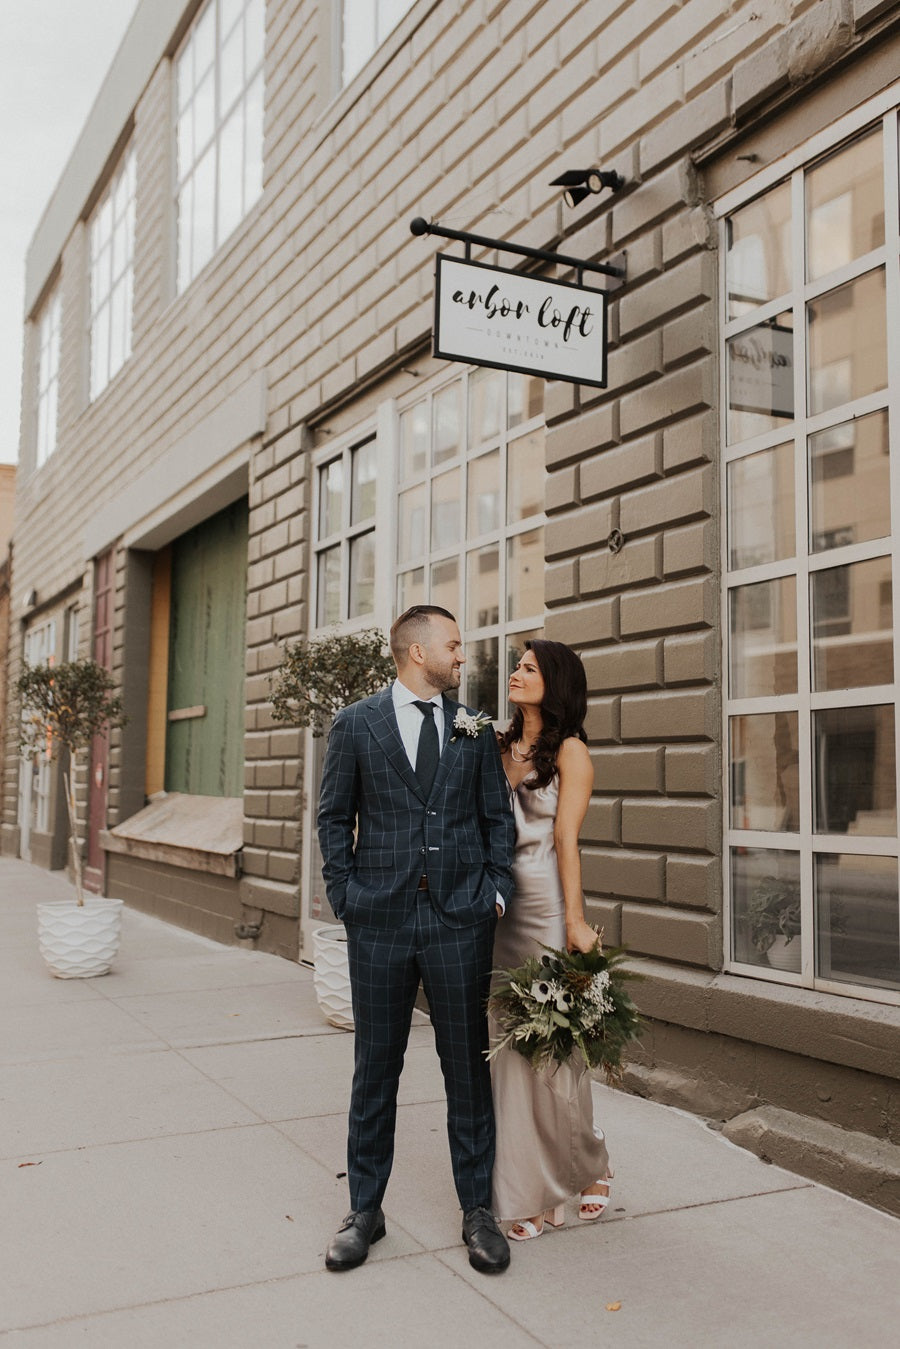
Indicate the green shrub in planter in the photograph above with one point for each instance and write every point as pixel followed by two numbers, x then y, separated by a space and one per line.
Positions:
pixel 318 676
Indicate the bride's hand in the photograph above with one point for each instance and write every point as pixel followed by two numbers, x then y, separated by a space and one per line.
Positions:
pixel 580 936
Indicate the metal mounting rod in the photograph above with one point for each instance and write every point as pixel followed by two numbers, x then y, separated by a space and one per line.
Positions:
pixel 420 226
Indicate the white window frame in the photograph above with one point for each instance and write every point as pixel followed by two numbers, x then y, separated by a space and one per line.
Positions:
pixel 505 628
pixel 191 253
pixel 39 648
pixel 111 277
pixel 49 328
pixel 884 109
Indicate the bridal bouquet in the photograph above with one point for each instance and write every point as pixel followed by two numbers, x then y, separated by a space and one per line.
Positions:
pixel 565 1003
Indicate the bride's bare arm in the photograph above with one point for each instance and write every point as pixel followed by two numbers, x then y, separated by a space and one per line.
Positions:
pixel 576 782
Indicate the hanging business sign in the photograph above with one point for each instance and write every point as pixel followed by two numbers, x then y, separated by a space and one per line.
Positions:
pixel 491 316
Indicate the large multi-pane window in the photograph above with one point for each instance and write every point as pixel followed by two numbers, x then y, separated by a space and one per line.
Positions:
pixel 34 771
pixel 219 84
pixel 811 377
pixel 364 26
pixel 112 275
pixel 345 533
pixel 470 518
pixel 48 378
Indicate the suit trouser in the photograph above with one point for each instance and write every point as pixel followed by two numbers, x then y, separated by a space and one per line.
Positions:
pixel 454 965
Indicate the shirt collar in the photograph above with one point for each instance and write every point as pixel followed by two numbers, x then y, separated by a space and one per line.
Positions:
pixel 403 696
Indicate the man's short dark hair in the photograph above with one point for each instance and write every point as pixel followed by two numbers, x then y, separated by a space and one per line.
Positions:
pixel 412 626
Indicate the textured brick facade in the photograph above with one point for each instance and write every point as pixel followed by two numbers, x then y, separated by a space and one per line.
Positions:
pixel 464 115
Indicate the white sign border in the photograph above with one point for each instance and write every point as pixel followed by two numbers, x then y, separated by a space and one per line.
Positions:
pixel 445 353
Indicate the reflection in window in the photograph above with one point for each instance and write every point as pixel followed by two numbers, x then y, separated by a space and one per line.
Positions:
pixel 482 676
pixel 48 378
pixel 760 364
pixel 857 919
pixel 851 649
pixel 764 769
pixel 483 587
pixel 765 921
pixel 484 495
pixel 847 342
pixel 525 574
pixel 849 470
pixel 486 389
pixel 855 771
pixel 845 205
pixel 345 535
pixel 763 648
pixel 526 475
pixel 445 509
pixel 219 78
pixel 758 256
pixel 364 26
pixel 112 255
pixel 761 507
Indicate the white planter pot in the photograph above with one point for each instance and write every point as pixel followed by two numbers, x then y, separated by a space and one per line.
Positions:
pixel 79 942
pixel 784 955
pixel 331 978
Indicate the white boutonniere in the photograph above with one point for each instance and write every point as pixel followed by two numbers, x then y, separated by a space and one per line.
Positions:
pixel 465 724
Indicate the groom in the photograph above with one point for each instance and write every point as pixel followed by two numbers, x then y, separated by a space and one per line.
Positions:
pixel 425 802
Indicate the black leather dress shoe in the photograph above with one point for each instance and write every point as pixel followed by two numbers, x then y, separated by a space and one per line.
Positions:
pixel 350 1244
pixel 488 1247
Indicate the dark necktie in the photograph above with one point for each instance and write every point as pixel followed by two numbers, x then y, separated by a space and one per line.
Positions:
pixel 429 751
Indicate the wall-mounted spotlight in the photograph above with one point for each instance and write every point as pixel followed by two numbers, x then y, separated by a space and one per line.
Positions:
pixel 581 183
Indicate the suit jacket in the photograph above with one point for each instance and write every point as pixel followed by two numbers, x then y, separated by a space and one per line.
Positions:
pixel 379 834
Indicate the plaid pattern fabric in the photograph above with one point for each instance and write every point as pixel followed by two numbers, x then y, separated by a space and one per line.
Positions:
pixel 461 837
pixel 379 833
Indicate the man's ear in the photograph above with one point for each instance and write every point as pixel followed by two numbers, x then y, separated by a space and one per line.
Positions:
pixel 417 653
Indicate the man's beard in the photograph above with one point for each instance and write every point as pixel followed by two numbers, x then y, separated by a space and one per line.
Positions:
pixel 442 678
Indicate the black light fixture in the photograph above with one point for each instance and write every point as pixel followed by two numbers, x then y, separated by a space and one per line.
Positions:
pixel 581 183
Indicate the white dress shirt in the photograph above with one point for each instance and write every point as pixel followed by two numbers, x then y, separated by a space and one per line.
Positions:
pixel 409 724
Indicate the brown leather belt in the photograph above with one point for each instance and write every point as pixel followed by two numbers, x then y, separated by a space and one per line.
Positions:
pixel 423 883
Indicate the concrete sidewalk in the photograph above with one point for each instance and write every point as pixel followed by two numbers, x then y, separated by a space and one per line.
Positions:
pixel 171 1142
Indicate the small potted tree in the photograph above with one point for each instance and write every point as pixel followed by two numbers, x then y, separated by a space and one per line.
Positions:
pixel 774 918
pixel 63 708
pixel 317 677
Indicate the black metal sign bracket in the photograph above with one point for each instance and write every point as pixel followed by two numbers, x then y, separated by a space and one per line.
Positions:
pixel 419 226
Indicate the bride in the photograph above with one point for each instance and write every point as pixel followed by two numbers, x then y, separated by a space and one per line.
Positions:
pixel 547 1149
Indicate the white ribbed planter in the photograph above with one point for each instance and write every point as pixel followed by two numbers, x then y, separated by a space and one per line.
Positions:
pixel 79 943
pixel 331 978
pixel 785 955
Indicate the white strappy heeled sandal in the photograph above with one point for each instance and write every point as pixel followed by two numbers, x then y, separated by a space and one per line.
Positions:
pixel 526 1230
pixel 593 1205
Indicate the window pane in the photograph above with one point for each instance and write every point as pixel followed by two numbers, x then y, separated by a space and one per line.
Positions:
pixel 525 398
pixel 204 113
pixel 204 232
pixel 764 772
pixel 410 588
pixel 331 497
pixel 758 257
pixel 412 517
pixel 231 68
pixel 855 790
pixel 761 378
pixel 413 441
pixel 253 142
pixel 446 510
pixel 362 493
pixel 447 423
pixel 362 574
pixel 483 587
pixel 358 31
pixel 761 507
pixel 485 405
pixel 850 489
pixel 445 584
pixel 847 343
pixel 328 608
pixel 858 932
pixel 845 205
pixel 526 475
pixel 765 891
pixel 482 675
pixel 255 33
pixel 852 626
pixel 484 494
pixel 763 649
pixel 525 575
pixel 231 184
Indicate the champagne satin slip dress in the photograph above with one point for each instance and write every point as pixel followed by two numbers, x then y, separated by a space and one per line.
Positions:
pixel 547 1149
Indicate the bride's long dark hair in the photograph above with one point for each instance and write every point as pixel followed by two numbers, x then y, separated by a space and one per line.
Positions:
pixel 563 709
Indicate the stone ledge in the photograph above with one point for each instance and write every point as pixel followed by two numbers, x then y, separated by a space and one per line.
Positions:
pixel 854 1163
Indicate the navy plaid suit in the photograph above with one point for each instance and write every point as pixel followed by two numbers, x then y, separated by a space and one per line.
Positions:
pixel 462 839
